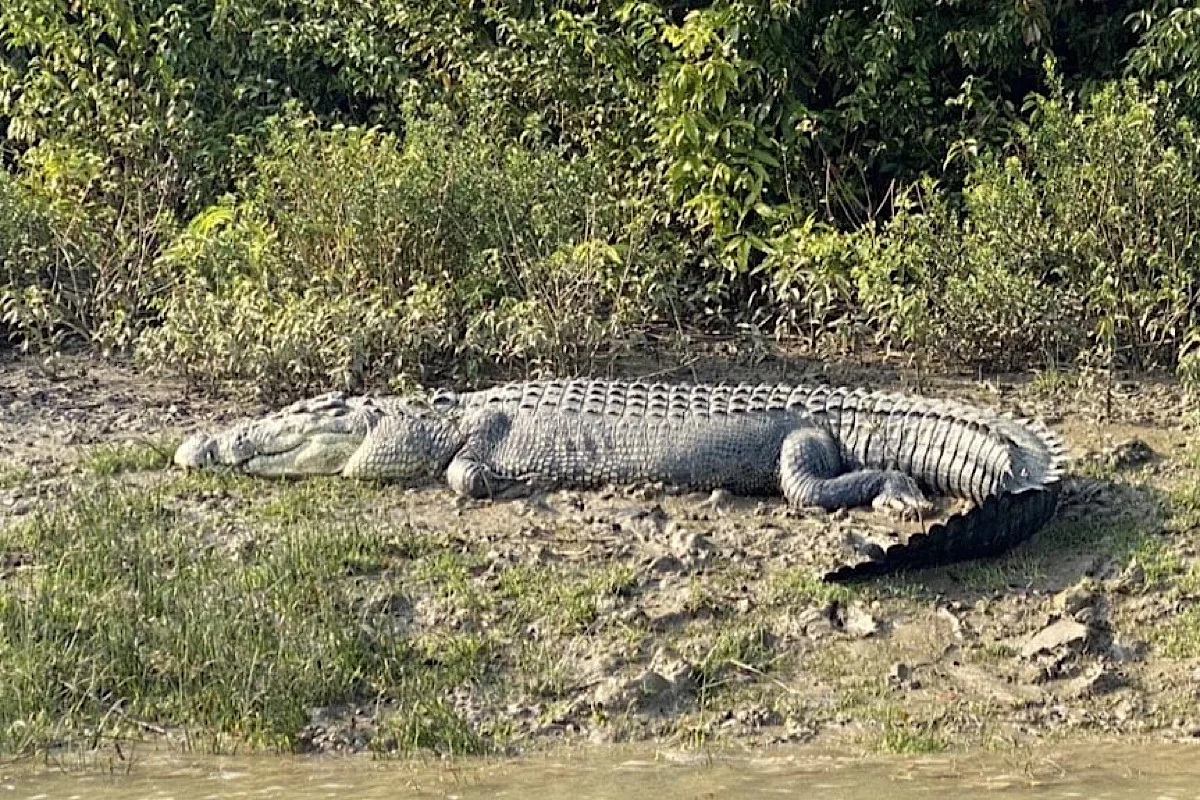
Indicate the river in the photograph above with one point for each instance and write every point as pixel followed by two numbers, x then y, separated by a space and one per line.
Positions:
pixel 1163 772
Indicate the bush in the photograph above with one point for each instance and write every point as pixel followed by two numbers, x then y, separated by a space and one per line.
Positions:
pixel 350 259
pixel 77 245
pixel 26 263
pixel 1080 242
pixel 961 287
pixel 1096 214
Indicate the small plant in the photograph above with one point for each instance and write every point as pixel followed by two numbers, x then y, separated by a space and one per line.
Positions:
pixel 903 736
pixel 425 723
pixel 1179 636
pixel 750 648
pixel 800 587
pixel 13 475
pixel 111 459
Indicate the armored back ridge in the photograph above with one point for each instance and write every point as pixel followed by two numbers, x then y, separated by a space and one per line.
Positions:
pixel 822 446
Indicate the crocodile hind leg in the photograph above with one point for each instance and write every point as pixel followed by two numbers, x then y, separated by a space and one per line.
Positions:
pixel 811 473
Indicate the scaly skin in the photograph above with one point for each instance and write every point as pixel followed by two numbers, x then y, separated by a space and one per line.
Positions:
pixel 817 446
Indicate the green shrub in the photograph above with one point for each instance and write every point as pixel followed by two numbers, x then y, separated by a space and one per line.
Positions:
pixel 1081 242
pixel 78 237
pixel 26 263
pixel 952 285
pixel 350 259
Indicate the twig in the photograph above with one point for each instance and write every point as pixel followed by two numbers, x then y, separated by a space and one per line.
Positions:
pixel 760 673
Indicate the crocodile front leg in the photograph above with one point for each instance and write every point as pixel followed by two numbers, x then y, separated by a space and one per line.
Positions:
pixel 474 478
pixel 811 473
pixel 471 472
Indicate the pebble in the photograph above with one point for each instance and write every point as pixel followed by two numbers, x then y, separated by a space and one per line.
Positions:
pixel 1063 633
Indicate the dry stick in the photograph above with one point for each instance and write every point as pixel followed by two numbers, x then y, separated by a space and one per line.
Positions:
pixel 669 370
pixel 760 673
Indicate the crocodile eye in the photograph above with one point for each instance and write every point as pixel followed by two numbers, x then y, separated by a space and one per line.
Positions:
pixel 443 399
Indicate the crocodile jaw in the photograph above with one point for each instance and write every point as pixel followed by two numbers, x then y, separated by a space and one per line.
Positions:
pixel 316 437
pixel 315 454
pixel 331 435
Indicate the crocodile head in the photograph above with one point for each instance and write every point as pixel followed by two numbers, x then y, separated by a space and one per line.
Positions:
pixel 327 435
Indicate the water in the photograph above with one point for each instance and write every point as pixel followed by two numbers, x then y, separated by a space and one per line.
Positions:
pixel 1160 772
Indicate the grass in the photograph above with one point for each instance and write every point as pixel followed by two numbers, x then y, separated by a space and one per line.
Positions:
pixel 123 616
pixel 13 475
pixel 904 737
pixel 106 460
pixel 563 603
pixel 1185 506
pixel 125 610
pixel 1179 637
pixel 1191 457
pixel 1051 381
pixel 313 498
pixel 426 723
pixel 747 649
pixel 800 587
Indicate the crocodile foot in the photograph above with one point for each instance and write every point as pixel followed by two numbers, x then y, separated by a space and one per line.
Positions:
pixel 902 497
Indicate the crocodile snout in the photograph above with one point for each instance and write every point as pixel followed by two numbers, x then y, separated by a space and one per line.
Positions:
pixel 196 452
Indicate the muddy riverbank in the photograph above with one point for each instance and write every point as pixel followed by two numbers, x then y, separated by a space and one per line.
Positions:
pixel 333 616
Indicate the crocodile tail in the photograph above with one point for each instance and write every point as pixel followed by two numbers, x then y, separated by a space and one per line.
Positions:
pixel 1000 522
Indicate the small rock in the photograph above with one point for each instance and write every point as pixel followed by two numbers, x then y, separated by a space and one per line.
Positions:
pixel 1074 599
pixel 680 673
pixel 868 549
pixel 20 506
pixel 649 523
pixel 1066 633
pixel 602 735
pixel 853 619
pixel 956 626
pixel 653 688
pixel 536 505
pixel 666 563
pixel 1091 615
pixel 1133 651
pixel 1132 579
pixel 690 543
pixel 719 500
pixel 812 622
pixel 900 676
pixel 650 684
pixel 1099 679
pixel 1129 453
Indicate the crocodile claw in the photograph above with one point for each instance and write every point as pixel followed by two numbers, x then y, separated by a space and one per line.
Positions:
pixel 902 497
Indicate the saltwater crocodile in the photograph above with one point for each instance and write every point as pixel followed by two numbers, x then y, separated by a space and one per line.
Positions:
pixel 817 445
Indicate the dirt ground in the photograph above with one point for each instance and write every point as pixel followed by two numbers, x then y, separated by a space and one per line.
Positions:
pixel 719 629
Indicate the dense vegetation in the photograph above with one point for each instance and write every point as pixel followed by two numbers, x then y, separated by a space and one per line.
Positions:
pixel 313 193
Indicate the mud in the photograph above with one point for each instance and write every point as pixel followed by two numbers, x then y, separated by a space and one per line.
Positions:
pixel 1068 635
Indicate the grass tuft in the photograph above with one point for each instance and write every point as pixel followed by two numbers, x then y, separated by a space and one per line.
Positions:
pixel 800 586
pixel 13 475
pixel 903 737
pixel 106 460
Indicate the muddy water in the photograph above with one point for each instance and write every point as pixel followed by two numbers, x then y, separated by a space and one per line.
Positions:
pixel 1164 772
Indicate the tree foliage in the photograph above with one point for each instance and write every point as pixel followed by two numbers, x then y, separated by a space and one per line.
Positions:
pixel 771 141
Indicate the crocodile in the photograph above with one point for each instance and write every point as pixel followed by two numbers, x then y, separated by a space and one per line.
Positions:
pixel 824 446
